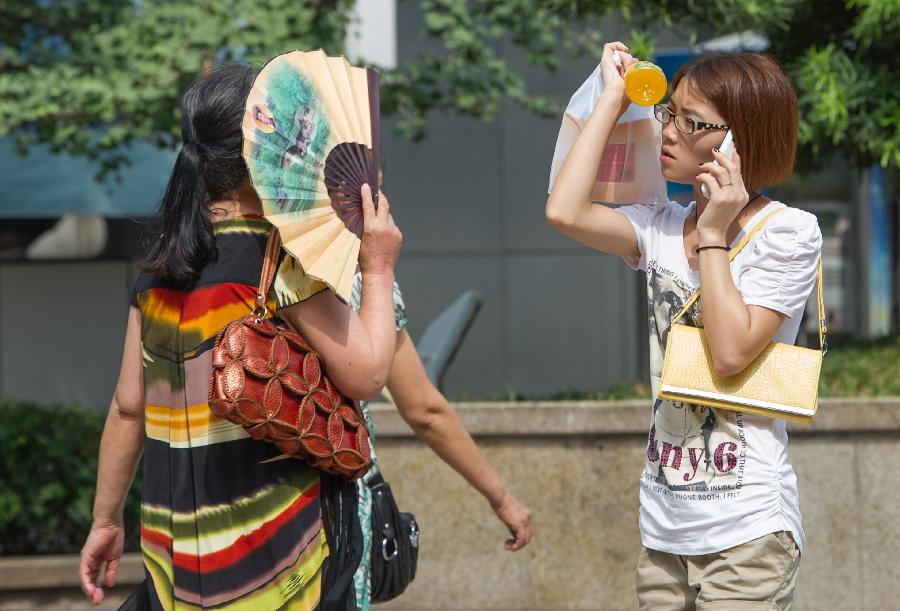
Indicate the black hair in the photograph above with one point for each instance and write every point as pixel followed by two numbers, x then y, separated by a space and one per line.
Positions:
pixel 209 167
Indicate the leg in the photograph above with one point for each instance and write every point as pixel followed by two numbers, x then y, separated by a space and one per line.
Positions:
pixel 758 575
pixel 662 582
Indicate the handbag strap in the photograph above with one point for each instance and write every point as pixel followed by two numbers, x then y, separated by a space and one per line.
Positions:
pixel 820 301
pixel 270 261
pixel 734 252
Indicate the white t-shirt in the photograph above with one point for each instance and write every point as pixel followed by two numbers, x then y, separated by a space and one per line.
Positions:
pixel 714 479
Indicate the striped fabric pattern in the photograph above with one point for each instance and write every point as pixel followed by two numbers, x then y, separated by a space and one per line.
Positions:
pixel 222 524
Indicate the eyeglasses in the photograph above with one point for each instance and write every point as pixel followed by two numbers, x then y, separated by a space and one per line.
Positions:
pixel 683 123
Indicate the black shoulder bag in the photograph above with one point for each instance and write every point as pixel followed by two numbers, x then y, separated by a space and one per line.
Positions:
pixel 395 543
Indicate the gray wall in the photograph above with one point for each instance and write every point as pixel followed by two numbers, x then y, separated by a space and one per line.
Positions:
pixel 62 327
pixel 470 200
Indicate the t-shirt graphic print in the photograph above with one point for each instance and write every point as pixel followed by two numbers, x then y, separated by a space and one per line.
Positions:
pixel 690 449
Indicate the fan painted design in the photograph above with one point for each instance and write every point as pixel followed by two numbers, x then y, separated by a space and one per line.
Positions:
pixel 310 142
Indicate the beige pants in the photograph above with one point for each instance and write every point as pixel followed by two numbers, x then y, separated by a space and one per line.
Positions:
pixel 760 574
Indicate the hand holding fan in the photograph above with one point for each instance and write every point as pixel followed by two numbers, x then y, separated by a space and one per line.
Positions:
pixel 310 142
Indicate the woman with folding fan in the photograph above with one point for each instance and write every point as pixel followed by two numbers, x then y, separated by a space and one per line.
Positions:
pixel 720 512
pixel 225 522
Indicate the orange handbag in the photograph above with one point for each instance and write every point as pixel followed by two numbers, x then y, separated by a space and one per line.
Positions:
pixel 269 380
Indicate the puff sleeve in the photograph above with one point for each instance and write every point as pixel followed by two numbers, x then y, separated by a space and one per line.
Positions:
pixel 780 270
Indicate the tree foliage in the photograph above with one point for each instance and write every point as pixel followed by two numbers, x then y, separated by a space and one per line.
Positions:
pixel 88 77
pixel 48 457
pixel 470 71
pixel 842 56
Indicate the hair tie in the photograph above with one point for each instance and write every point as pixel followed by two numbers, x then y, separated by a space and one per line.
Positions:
pixel 193 148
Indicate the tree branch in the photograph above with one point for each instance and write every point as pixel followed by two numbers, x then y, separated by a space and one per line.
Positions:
pixel 56 29
pixel 8 65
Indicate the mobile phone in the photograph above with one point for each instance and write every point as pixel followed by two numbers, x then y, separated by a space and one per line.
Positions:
pixel 725 148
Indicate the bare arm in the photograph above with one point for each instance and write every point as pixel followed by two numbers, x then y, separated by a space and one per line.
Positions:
pixel 737 333
pixel 569 206
pixel 120 451
pixel 435 421
pixel 358 349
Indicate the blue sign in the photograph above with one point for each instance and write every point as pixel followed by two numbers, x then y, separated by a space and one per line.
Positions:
pixel 879 253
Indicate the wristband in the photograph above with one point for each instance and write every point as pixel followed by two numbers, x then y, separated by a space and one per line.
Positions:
pixel 712 247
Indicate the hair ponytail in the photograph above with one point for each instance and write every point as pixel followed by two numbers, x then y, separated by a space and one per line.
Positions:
pixel 208 167
pixel 187 238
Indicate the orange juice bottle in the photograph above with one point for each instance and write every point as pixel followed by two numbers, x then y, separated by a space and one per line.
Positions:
pixel 645 83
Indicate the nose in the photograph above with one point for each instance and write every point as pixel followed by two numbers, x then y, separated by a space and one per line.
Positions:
pixel 669 132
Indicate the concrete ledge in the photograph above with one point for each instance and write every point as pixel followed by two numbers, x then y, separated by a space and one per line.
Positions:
pixel 59 571
pixel 576 465
pixel 613 418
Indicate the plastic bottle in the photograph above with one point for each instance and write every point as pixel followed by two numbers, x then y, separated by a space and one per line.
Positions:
pixel 645 82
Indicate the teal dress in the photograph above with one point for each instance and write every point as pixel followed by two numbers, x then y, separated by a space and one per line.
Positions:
pixel 361 579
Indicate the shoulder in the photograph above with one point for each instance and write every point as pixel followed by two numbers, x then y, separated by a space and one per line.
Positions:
pixel 147 282
pixel 795 220
pixel 795 228
pixel 782 263
pixel 791 235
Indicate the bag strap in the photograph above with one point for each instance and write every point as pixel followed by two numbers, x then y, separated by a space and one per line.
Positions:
pixel 376 479
pixel 270 261
pixel 820 301
pixel 734 252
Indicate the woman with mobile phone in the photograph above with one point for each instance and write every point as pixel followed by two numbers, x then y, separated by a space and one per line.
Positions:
pixel 719 517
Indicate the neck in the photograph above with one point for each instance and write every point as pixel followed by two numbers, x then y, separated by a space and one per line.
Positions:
pixel 244 201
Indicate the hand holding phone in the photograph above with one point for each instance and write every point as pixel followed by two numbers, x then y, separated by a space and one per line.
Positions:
pixel 725 148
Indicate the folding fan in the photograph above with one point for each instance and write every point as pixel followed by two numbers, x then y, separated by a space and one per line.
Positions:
pixel 310 142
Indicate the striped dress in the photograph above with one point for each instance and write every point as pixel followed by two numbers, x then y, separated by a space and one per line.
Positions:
pixel 221 526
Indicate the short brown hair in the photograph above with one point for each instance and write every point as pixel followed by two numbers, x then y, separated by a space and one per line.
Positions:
pixel 757 100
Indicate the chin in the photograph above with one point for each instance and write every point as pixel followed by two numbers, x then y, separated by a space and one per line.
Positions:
pixel 671 176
